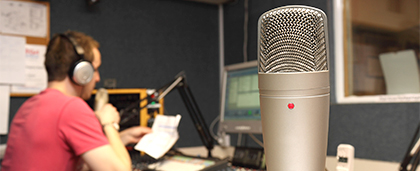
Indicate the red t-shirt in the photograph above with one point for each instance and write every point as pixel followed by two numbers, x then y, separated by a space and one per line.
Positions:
pixel 50 131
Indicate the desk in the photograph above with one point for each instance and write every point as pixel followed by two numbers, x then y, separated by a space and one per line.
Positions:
pixel 331 161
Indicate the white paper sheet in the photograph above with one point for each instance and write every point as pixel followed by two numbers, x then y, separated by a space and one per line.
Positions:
pixel 4 108
pixel 163 137
pixel 12 57
pixel 35 73
pixel 23 18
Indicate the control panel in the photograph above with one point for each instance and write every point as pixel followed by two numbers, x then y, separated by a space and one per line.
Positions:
pixel 136 106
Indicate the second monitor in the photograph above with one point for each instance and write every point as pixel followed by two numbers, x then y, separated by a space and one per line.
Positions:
pixel 240 106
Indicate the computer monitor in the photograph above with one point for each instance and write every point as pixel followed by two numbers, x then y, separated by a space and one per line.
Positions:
pixel 240 102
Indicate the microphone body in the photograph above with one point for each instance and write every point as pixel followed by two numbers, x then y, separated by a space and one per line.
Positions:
pixel 293 81
pixel 101 98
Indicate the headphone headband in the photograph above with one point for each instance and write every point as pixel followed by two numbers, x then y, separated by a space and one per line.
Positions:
pixel 77 48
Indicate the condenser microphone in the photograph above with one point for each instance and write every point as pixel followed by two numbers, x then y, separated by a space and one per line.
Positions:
pixel 293 81
pixel 101 98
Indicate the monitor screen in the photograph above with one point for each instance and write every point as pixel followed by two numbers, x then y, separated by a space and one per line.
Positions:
pixel 240 106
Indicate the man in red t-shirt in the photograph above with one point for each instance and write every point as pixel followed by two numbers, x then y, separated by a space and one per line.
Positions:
pixel 56 129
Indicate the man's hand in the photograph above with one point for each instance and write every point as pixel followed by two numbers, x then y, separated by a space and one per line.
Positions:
pixel 134 134
pixel 108 114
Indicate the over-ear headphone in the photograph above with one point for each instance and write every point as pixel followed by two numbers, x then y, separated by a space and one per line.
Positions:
pixel 81 72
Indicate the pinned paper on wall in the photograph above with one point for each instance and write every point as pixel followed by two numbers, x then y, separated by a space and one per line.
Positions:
pixel 23 18
pixel 4 108
pixel 12 57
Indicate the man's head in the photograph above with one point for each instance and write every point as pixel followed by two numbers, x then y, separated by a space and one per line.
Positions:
pixel 61 56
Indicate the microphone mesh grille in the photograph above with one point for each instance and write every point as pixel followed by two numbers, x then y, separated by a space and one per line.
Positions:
pixel 292 40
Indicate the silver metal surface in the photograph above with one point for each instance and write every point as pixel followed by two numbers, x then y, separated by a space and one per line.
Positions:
pixel 83 72
pixel 293 70
pixel 293 39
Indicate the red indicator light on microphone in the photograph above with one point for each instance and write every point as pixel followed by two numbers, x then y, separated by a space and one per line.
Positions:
pixel 291 105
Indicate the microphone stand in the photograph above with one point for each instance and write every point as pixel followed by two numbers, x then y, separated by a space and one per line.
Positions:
pixel 184 90
pixel 193 110
pixel 412 153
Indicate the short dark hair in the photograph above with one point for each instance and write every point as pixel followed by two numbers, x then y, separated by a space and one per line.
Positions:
pixel 60 53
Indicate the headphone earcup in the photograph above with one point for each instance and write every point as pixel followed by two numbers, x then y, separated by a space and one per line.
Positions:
pixel 82 72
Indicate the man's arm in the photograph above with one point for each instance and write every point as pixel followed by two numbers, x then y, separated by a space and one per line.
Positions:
pixel 133 134
pixel 113 156
pixel 103 158
pixel 116 144
pixel 128 136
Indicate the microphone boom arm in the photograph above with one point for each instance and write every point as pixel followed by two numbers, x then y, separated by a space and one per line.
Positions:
pixel 180 83
pixel 193 110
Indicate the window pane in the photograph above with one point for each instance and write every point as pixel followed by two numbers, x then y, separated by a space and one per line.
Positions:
pixel 378 30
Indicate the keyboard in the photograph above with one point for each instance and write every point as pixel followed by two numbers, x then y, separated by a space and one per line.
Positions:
pixel 143 162
pixel 233 168
pixel 225 165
